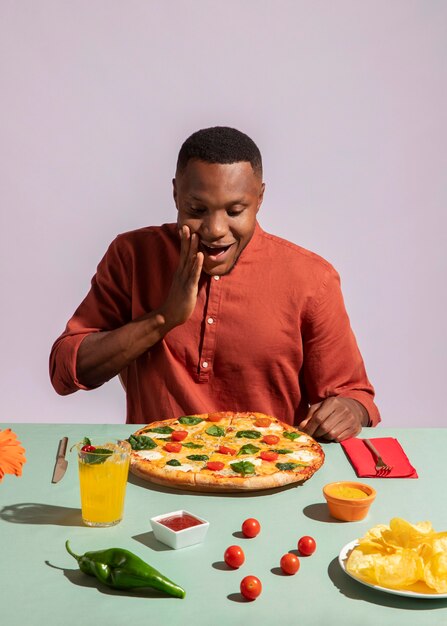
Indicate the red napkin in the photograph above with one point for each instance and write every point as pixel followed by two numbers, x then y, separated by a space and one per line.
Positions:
pixel 364 463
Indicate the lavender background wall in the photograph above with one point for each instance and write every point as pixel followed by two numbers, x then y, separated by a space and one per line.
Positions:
pixel 347 101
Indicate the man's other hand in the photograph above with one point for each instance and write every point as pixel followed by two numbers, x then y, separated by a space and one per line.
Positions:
pixel 335 419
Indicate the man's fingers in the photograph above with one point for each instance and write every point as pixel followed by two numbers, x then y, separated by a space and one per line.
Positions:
pixel 315 423
pixel 185 240
pixel 197 268
pixel 333 420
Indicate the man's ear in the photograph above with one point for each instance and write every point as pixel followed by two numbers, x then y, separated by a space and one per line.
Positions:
pixel 174 191
pixel 261 196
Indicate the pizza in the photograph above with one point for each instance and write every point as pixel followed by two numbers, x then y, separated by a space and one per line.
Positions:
pixel 224 451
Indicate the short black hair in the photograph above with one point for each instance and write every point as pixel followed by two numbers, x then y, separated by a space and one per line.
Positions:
pixel 220 144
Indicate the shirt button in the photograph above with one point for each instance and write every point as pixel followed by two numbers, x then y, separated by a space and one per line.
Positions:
pixel 216 277
pixel 205 364
pixel 210 320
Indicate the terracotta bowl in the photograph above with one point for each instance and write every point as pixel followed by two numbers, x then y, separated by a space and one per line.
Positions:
pixel 344 501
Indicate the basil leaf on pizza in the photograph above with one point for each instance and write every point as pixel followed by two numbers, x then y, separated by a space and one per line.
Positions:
pixel 249 448
pixel 173 463
pixel 161 430
pixel 288 466
pixel 288 434
pixel 141 442
pixel 248 434
pixel 243 467
pixel 224 451
pixel 215 431
pixel 190 420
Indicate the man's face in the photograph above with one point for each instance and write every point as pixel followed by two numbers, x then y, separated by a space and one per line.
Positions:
pixel 219 202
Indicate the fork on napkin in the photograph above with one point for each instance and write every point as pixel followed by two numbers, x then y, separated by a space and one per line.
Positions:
pixel 364 461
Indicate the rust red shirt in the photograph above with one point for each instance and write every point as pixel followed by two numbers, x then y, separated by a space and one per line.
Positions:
pixel 271 336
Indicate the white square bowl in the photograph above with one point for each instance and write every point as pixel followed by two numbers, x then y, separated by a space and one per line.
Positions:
pixel 179 538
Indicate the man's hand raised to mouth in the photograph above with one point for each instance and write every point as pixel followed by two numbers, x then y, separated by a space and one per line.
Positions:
pixel 182 296
pixel 103 355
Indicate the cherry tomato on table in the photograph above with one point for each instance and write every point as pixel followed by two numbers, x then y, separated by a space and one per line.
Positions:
pixel 307 545
pixel 290 563
pixel 251 587
pixel 251 527
pixel 234 556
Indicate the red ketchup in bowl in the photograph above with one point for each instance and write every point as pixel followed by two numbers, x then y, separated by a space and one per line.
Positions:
pixel 180 522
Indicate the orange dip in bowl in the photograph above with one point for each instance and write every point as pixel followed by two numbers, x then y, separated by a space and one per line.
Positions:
pixel 342 490
pixel 349 501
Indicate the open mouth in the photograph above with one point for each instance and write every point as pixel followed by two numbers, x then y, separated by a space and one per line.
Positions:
pixel 214 251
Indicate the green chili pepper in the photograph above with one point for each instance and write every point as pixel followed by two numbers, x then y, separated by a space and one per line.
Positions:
pixel 121 569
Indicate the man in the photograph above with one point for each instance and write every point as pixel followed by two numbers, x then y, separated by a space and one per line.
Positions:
pixel 215 314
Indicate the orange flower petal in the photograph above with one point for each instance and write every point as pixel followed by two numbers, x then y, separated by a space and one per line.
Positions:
pixel 12 454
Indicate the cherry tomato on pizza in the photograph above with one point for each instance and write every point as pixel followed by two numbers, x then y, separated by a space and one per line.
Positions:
pixel 234 556
pixel 290 563
pixel 215 466
pixel 307 545
pixel 270 440
pixel 172 447
pixel 269 455
pixel 179 435
pixel 251 587
pixel 251 527
pixel 262 422
pixel 214 417
pixel 226 450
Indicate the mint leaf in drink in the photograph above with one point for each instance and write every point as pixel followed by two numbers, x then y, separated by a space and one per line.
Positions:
pixel 96 456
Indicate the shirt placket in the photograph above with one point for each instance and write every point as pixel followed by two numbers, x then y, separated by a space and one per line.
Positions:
pixel 211 325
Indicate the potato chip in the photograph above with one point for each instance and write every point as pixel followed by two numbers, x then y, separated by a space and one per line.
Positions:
pixel 363 565
pixel 400 570
pixel 400 555
pixel 435 572
pixel 406 535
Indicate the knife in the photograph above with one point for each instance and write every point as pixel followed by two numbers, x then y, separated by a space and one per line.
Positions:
pixel 61 462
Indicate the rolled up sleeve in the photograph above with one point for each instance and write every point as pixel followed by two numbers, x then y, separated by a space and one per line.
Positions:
pixel 106 307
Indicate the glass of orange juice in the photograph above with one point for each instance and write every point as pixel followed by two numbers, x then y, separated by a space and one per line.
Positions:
pixel 103 470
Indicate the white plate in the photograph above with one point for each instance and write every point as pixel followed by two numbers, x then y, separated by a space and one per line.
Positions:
pixel 342 558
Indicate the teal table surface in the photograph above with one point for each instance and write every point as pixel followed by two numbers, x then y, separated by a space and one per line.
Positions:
pixel 40 582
